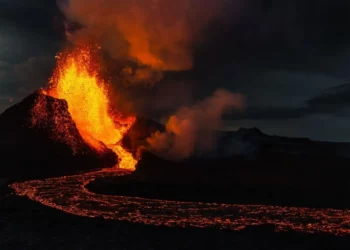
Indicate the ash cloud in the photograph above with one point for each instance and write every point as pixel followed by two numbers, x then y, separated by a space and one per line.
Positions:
pixel 159 34
pixel 191 130
pixel 146 76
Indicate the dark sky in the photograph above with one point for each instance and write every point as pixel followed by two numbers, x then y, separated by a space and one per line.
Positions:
pixel 290 58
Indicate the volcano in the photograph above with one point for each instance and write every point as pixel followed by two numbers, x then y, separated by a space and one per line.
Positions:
pixel 33 147
pixel 69 123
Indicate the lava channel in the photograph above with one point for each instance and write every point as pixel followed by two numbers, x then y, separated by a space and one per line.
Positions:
pixel 70 195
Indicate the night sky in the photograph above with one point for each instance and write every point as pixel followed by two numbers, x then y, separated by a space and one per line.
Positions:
pixel 290 59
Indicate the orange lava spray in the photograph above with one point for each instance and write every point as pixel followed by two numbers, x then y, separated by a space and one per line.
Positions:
pixel 76 80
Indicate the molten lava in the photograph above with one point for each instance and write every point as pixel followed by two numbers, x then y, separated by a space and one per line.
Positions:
pixel 76 80
pixel 70 195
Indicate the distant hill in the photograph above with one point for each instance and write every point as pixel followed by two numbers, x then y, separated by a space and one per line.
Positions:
pixel 247 142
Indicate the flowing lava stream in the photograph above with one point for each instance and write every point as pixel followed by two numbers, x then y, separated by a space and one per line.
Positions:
pixel 76 80
pixel 69 194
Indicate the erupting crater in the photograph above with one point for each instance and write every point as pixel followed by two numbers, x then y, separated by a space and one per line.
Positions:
pixel 76 80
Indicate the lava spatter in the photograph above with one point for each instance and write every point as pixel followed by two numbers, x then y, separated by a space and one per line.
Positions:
pixel 76 80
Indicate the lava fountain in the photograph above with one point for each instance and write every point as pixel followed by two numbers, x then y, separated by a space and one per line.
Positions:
pixel 76 79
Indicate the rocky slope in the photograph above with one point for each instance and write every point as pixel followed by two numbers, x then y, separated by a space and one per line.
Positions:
pixel 39 138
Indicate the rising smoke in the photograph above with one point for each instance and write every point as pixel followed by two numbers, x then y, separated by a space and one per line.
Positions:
pixel 192 129
pixel 157 34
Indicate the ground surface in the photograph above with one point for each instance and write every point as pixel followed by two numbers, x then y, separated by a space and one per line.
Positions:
pixel 25 224
pixel 28 225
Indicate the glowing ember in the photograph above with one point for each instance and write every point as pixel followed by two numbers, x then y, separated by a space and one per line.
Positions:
pixel 76 80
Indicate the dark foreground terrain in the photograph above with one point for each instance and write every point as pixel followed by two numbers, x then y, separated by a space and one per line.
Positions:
pixel 25 224
pixel 306 181
pixel 280 195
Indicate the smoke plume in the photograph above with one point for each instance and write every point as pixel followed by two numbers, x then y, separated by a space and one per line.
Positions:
pixel 159 34
pixel 192 129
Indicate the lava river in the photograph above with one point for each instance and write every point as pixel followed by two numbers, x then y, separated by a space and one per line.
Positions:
pixel 69 194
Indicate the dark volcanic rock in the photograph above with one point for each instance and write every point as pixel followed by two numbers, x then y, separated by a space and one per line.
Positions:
pixel 280 180
pixel 251 132
pixel 39 138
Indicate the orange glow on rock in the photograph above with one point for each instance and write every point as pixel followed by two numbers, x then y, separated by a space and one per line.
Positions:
pixel 76 80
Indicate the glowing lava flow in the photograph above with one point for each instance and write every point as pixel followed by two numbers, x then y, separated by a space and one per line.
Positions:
pixel 69 194
pixel 76 80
